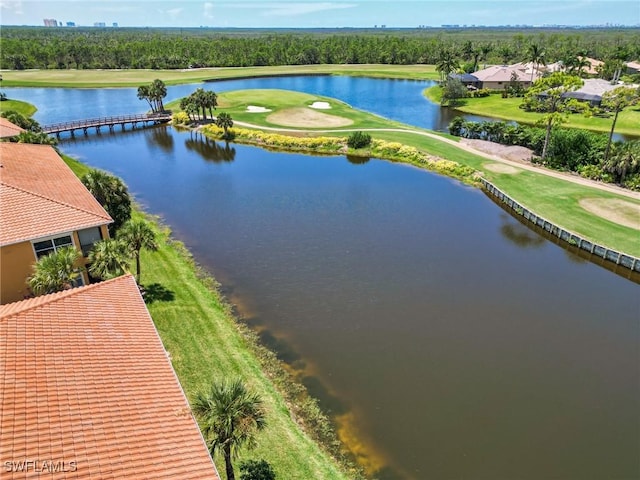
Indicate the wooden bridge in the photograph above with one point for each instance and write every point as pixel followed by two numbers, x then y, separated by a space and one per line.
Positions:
pixel 111 122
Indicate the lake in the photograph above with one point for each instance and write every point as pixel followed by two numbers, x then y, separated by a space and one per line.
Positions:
pixel 447 339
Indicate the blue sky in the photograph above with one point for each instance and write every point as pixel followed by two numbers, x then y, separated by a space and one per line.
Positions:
pixel 320 13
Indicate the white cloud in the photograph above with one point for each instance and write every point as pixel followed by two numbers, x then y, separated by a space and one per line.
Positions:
pixel 172 12
pixel 208 10
pixel 285 9
pixel 14 6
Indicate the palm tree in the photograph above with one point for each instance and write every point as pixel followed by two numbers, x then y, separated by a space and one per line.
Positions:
pixel 616 100
pixel 112 194
pixel 55 272
pixel 157 91
pixel 446 63
pixel 108 258
pixel 535 55
pixel 624 161
pixel 136 235
pixel 144 94
pixel 549 93
pixel 231 416
pixel 225 122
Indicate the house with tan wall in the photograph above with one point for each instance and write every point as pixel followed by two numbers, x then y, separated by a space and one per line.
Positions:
pixel 498 77
pixel 43 207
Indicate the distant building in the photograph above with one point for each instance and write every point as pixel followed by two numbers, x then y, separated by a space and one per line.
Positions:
pixel 71 24
pixel 114 24
pixel 50 22
pixel 99 24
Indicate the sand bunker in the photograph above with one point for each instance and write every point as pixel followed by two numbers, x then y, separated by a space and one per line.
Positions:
pixel 618 211
pixel 320 105
pixel 501 168
pixel 510 152
pixel 304 117
pixel 255 109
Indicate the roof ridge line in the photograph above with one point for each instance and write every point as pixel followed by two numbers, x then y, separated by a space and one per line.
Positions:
pixel 56 296
pixel 39 195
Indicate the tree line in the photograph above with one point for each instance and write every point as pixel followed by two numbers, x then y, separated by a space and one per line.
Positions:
pixel 90 48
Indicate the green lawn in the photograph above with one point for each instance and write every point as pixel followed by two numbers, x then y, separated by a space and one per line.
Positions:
pixel 235 103
pixel 134 78
pixel 24 108
pixel 508 109
pixel 205 344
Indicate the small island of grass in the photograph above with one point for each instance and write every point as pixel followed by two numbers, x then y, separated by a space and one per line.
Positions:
pixel 19 106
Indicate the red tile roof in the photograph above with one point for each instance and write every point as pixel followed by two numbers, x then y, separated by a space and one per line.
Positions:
pixel 84 378
pixel 8 129
pixel 41 196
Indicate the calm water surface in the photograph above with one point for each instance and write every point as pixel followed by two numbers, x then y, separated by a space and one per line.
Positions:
pixel 400 100
pixel 453 341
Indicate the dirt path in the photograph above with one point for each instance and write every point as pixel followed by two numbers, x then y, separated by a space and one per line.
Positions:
pixel 518 164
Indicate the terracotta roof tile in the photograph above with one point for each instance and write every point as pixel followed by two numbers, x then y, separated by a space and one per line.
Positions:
pixel 41 196
pixel 8 129
pixel 84 378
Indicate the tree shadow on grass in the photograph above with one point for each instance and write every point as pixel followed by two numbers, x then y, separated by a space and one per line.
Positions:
pixel 155 292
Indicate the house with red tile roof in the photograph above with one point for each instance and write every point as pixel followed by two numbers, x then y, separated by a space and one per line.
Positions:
pixel 43 207
pixel 8 129
pixel 87 390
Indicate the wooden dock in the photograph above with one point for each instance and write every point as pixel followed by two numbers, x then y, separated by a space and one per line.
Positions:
pixel 110 122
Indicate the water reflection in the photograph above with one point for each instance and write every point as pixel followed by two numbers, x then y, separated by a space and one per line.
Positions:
pixel 161 138
pixel 519 234
pixel 209 149
pixel 357 160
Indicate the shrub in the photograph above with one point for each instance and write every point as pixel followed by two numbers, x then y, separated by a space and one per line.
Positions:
pixel 256 470
pixel 180 118
pixel 359 140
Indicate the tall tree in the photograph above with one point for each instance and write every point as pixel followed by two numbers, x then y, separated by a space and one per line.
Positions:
pixel 231 416
pixel 112 194
pixel 549 93
pixel 535 55
pixel 447 63
pixel 144 94
pixel 136 235
pixel 624 161
pixel 56 271
pixel 615 101
pixel 157 91
pixel 224 121
pixel 108 258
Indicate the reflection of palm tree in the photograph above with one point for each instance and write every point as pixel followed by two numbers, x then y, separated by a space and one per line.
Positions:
pixel 55 272
pixel 231 416
pixel 210 150
pixel 161 137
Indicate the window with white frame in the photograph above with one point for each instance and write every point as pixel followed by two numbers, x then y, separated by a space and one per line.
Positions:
pixel 50 245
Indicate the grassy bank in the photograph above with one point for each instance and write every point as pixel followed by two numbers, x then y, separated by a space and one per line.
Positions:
pixel 508 109
pixel 134 78
pixel 23 108
pixel 206 343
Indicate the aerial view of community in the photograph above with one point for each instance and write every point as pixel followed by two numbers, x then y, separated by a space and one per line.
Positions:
pixel 320 240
